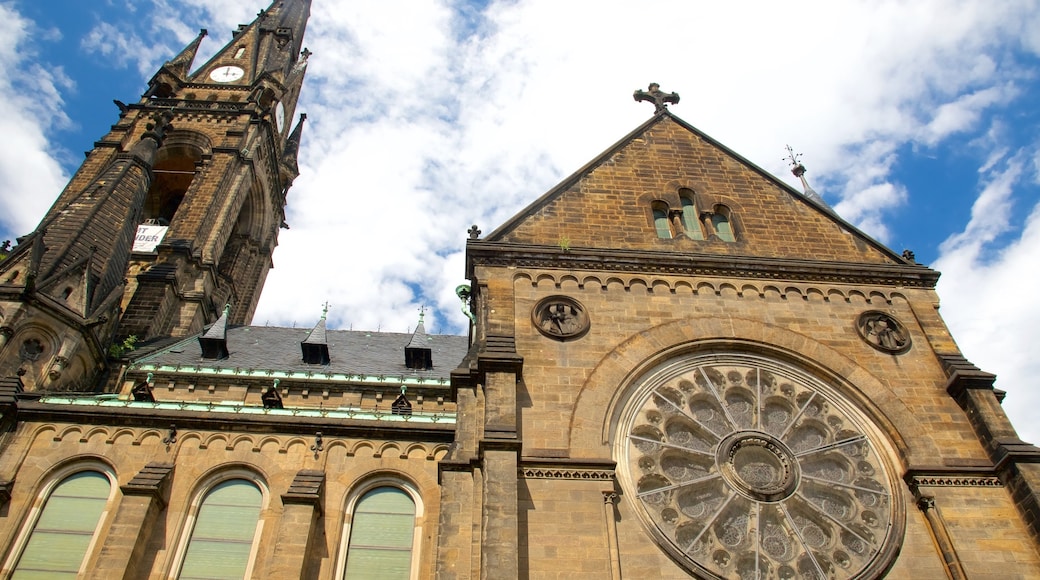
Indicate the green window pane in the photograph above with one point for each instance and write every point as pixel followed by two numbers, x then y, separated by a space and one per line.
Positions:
pixel 690 222
pixel 223 534
pixel 59 540
pixel 664 230
pixel 722 228
pixel 381 535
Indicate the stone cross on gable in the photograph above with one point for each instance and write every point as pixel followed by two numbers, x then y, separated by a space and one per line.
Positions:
pixel 657 96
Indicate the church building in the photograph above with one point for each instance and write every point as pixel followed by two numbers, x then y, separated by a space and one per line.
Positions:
pixel 677 366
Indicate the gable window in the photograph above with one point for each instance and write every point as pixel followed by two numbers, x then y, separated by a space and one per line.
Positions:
pixel 721 223
pixel 691 225
pixel 382 536
pixel 223 534
pixel 62 535
pixel 661 223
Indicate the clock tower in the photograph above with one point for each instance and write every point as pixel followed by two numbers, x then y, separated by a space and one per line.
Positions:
pixel 173 215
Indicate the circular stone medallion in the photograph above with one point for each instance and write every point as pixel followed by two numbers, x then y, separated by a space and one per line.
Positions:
pixel 560 318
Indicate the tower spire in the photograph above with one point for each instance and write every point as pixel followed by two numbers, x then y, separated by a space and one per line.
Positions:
pixel 291 152
pixel 270 45
pixel 180 65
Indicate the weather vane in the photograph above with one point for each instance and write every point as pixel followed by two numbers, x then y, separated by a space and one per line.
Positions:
pixel 325 309
pixel 422 312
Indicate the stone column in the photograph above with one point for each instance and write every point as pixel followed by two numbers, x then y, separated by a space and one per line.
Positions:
pixel 301 508
pixel 951 561
pixel 144 498
pixel 610 499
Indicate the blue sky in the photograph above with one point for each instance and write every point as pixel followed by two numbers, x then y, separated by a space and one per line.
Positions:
pixel 917 121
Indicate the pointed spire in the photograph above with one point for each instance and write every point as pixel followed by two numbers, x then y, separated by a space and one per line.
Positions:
pixel 290 155
pixel 316 346
pixel 181 64
pixel 214 341
pixel 418 355
pixel 799 171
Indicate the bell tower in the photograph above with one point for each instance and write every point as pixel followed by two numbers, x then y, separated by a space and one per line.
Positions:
pixel 174 213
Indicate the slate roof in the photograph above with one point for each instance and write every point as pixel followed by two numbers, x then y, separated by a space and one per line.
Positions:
pixel 352 352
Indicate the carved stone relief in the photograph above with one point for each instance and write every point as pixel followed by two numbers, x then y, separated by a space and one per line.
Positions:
pixel 560 318
pixel 883 332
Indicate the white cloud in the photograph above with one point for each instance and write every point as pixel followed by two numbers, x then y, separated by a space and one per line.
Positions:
pixel 123 48
pixel 31 93
pixel 980 288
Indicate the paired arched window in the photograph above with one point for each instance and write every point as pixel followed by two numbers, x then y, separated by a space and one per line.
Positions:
pixel 721 223
pixel 661 223
pixel 690 219
pixel 223 533
pixel 382 532
pixel 63 533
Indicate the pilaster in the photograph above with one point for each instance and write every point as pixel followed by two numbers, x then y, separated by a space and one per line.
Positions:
pixel 301 509
pixel 144 498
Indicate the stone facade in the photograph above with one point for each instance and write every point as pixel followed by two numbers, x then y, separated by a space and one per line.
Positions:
pixel 678 367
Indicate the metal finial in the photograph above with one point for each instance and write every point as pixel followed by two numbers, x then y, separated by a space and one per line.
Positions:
pixel 655 95
pixel 422 312
pixel 227 309
pixel 404 389
pixel 792 158
pixel 325 309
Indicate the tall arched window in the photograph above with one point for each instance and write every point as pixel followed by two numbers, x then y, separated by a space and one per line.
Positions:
pixel 61 537
pixel 173 171
pixel 382 536
pixel 224 532
pixel 691 224
pixel 661 223
pixel 721 222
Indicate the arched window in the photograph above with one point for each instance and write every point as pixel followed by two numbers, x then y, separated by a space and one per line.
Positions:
pixel 721 222
pixel 382 536
pixel 661 223
pixel 62 535
pixel 691 224
pixel 174 171
pixel 224 532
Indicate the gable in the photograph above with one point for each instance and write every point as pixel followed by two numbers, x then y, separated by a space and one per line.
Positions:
pixel 610 205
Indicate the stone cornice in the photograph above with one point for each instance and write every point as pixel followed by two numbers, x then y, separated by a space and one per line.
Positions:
pixel 573 469
pixel 945 476
pixel 484 253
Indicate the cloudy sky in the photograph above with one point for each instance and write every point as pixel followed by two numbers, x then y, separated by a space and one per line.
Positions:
pixel 918 121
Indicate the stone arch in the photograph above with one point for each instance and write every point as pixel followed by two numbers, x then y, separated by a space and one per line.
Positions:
pixel 546 280
pixel 213 439
pixel 358 446
pixel 602 394
pixel 174 171
pixel 592 283
pixel 69 431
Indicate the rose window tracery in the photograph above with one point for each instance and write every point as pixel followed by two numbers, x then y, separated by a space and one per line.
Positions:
pixel 744 467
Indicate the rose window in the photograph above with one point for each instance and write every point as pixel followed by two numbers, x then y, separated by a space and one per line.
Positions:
pixel 746 468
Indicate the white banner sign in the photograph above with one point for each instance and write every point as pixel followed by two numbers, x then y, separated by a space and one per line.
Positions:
pixel 148 237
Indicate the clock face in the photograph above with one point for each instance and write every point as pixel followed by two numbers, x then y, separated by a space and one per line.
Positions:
pixel 746 467
pixel 279 116
pixel 227 74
